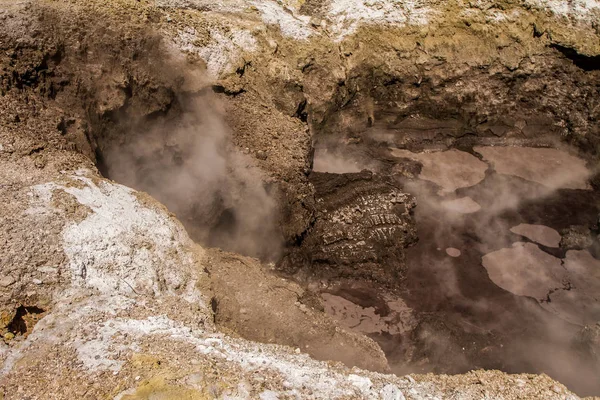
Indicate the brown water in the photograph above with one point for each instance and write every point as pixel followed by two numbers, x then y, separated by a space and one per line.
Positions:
pixel 487 284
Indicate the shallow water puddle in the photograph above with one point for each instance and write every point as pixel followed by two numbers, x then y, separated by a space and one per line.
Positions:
pixel 464 205
pixel 452 252
pixel 399 318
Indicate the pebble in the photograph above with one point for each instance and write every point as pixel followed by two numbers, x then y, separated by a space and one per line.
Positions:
pixel 520 382
pixel 269 395
pixel 7 281
pixel 364 384
pixel 36 281
pixel 297 350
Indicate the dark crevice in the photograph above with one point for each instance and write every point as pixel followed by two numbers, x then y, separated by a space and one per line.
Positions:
pixel 392 81
pixel 586 63
pixel 537 32
pixel 301 112
pixel 307 66
pixel 214 305
pixel 299 239
pixel 220 89
pixel 242 70
pixel 36 149
pixel 101 163
pixel 24 320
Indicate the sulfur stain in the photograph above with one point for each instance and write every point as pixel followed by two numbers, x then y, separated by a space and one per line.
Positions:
pixel 158 389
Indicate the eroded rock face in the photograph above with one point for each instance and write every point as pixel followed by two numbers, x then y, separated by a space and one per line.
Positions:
pixel 128 329
pixel 138 298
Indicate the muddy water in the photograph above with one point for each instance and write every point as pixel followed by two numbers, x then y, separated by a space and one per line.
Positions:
pixel 489 284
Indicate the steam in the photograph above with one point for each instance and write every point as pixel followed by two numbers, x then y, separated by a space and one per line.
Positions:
pixel 525 176
pixel 552 168
pixel 466 209
pixel 327 160
pixel 188 163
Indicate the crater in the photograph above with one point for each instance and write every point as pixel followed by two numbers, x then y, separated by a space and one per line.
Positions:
pixel 485 281
pixel 431 223
pixel 431 236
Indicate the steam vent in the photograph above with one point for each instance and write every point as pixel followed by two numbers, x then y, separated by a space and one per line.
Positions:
pixel 299 199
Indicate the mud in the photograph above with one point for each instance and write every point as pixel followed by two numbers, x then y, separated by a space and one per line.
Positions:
pixel 538 233
pixel 477 294
pixel 466 169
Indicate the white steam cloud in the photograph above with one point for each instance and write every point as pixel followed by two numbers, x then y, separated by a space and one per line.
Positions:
pixel 189 164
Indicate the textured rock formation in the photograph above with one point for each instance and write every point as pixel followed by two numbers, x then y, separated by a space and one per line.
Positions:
pixel 363 224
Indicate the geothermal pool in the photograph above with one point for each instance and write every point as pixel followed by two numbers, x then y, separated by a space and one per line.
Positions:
pixel 505 273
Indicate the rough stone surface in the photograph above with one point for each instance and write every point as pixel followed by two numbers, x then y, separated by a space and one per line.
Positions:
pixel 363 224
pixel 106 284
